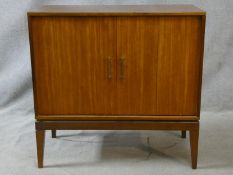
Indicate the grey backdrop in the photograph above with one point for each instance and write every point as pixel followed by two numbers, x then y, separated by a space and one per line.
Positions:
pixel 84 152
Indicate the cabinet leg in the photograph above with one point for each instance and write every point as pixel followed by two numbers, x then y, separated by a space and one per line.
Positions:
pixel 183 134
pixel 54 134
pixel 40 139
pixel 194 135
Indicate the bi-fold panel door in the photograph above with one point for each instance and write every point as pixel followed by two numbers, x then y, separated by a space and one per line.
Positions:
pixel 160 59
pixel 137 59
pixel 73 60
pixel 116 65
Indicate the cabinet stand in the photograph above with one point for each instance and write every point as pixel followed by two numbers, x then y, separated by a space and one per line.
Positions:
pixel 192 127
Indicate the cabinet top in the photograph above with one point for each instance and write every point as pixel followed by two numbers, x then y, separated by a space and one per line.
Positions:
pixel 115 10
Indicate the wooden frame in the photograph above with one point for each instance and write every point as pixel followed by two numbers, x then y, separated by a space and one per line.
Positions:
pixel 115 118
pixel 117 122
pixel 41 126
pixel 116 10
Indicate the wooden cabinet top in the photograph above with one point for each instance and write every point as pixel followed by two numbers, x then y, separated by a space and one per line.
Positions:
pixel 115 10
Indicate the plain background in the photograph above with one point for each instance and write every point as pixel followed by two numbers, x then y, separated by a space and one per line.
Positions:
pixel 17 144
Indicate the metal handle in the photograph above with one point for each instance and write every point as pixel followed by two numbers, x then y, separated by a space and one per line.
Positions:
pixel 122 67
pixel 109 68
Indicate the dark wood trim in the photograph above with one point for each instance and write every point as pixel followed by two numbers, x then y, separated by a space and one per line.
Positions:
pixel 115 125
pixel 40 141
pixel 183 134
pixel 114 117
pixel 194 136
pixel 32 64
pixel 203 18
pixel 53 132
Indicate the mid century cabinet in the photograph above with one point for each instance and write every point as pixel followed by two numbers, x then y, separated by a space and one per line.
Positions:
pixel 117 68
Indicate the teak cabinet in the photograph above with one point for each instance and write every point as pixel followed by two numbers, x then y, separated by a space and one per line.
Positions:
pixel 117 67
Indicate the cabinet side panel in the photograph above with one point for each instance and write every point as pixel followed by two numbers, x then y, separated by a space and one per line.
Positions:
pixel 179 65
pixel 202 42
pixel 69 56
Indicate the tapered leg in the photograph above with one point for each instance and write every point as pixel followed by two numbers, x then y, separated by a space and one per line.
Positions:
pixel 54 134
pixel 40 139
pixel 194 135
pixel 183 134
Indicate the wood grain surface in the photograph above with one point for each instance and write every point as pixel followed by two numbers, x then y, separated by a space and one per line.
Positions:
pixel 70 64
pixel 116 68
pixel 161 56
pixel 161 65
pixel 179 65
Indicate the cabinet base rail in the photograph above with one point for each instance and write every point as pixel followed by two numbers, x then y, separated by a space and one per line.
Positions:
pixel 191 126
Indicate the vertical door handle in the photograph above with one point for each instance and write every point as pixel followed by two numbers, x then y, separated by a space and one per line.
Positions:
pixel 109 68
pixel 122 67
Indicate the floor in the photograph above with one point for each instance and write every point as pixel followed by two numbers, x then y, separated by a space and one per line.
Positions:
pixel 115 152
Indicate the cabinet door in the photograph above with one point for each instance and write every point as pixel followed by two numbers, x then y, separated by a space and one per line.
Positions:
pixel 137 57
pixel 161 68
pixel 73 60
pixel 179 65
